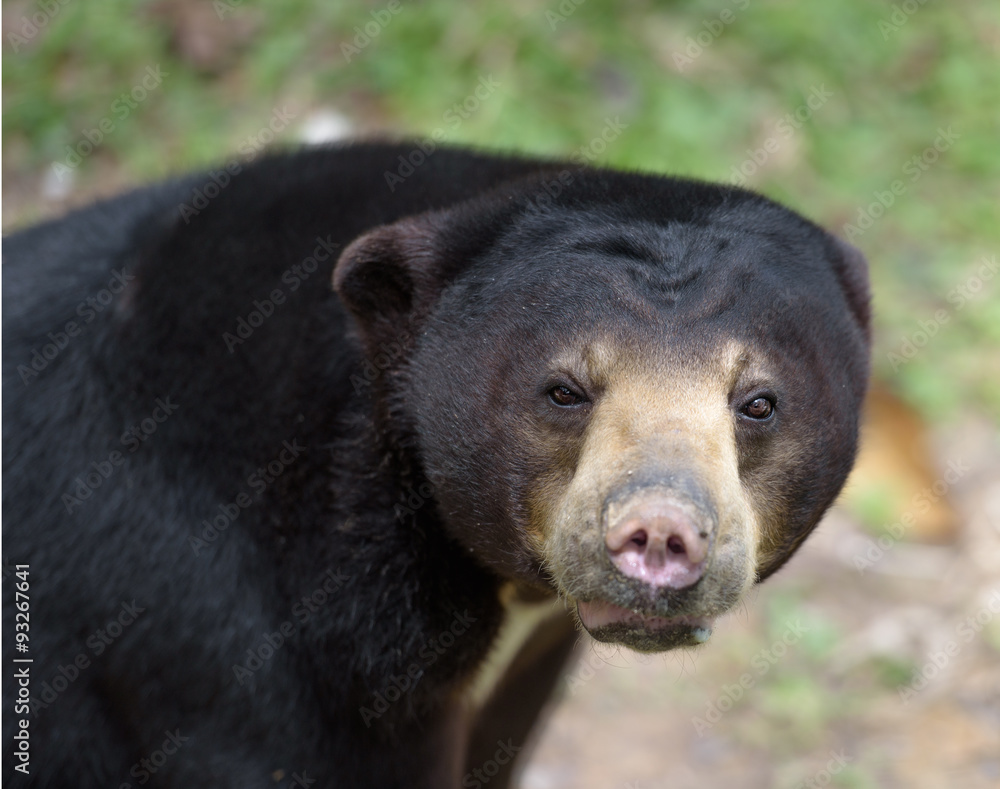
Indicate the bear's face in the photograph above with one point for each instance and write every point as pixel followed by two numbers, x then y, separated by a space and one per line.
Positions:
pixel 646 417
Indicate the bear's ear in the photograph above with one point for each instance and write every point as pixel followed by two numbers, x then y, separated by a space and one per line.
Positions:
pixel 851 269
pixel 390 277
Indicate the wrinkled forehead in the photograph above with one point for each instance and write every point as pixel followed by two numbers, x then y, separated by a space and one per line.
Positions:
pixel 677 293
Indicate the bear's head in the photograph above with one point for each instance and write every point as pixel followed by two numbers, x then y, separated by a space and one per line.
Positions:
pixel 641 392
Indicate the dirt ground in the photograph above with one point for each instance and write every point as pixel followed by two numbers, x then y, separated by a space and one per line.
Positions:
pixel 836 674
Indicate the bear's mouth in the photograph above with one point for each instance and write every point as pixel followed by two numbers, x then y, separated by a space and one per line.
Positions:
pixel 611 623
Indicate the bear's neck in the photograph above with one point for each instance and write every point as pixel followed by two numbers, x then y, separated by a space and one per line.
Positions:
pixel 408 605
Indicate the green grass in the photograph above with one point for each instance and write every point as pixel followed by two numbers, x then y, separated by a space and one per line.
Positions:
pixel 890 91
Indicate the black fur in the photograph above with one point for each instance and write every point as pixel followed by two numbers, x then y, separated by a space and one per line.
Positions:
pixel 351 508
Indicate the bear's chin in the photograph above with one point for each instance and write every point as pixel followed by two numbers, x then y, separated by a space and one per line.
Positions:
pixel 613 624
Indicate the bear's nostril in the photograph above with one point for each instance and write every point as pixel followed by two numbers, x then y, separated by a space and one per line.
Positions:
pixel 658 542
pixel 676 545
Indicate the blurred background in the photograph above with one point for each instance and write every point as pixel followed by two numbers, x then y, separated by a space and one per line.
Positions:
pixel 873 659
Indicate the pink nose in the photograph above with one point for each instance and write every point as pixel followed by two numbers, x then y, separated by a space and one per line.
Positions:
pixel 658 542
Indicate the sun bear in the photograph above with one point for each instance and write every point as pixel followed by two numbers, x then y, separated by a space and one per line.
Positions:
pixel 315 467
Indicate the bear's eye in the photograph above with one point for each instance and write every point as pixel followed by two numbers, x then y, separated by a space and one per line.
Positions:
pixel 759 408
pixel 564 396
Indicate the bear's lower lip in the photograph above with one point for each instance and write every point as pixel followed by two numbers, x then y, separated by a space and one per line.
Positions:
pixel 612 623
